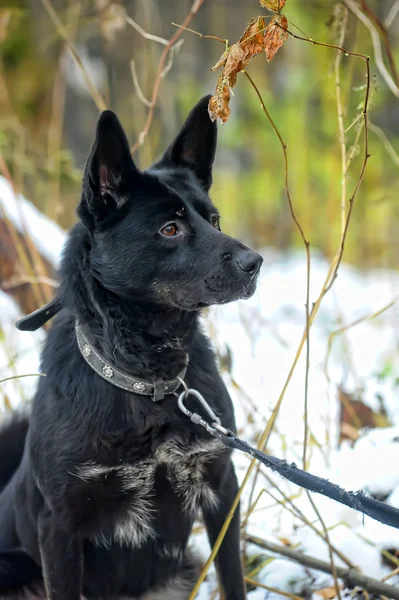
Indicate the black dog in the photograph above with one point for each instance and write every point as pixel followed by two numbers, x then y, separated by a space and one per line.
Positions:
pixel 101 497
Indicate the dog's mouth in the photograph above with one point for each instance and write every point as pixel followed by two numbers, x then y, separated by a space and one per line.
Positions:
pixel 217 295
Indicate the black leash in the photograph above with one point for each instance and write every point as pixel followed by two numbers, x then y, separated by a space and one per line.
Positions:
pixel 380 511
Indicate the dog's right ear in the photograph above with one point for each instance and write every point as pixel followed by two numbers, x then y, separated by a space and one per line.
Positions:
pixel 110 172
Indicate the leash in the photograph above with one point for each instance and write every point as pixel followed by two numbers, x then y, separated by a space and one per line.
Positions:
pixel 380 511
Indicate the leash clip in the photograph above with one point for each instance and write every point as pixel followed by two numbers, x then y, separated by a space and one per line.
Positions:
pixel 214 428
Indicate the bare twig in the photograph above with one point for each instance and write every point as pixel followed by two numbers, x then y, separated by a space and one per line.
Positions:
pixel 144 34
pixel 331 275
pixel 161 66
pixel 272 589
pixel 340 115
pixel 385 36
pixel 351 577
pixel 62 32
pixel 386 143
pixel 17 281
pixel 375 38
pixel 391 16
pixel 21 376
pixel 293 509
pixel 345 328
pixel 137 85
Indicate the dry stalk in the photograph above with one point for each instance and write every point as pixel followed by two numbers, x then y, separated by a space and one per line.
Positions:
pixel 331 276
pixel 161 67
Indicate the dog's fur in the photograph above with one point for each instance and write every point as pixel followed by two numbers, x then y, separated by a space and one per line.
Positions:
pixel 100 491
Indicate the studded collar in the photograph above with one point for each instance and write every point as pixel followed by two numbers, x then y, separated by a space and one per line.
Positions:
pixel 157 389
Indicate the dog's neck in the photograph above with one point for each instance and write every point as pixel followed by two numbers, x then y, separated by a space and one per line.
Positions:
pixel 143 339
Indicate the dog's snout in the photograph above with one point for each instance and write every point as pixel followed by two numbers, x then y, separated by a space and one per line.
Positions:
pixel 249 262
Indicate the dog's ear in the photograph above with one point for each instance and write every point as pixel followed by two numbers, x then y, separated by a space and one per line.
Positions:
pixel 110 171
pixel 195 145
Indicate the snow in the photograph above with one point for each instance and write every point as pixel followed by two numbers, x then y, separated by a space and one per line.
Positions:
pixel 46 235
pixel 263 335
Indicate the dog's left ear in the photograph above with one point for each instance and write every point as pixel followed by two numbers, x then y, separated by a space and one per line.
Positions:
pixel 195 145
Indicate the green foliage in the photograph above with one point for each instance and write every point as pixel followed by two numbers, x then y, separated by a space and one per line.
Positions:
pixel 298 88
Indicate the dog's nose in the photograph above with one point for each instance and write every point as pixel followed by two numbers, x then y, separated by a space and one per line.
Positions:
pixel 249 262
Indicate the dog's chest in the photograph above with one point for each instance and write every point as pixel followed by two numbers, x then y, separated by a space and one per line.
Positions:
pixel 174 467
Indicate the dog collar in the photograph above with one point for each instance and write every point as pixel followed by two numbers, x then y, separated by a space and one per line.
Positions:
pixel 157 389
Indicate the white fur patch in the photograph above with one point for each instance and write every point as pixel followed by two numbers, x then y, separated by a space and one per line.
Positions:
pixel 185 470
pixel 177 589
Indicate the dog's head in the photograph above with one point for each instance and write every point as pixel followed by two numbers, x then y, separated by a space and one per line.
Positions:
pixel 155 235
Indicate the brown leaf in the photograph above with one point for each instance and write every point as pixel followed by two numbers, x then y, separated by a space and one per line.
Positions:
pixel 355 415
pixel 219 103
pixel 274 5
pixel 275 36
pixel 285 541
pixel 234 60
pixel 252 40
pixel 328 593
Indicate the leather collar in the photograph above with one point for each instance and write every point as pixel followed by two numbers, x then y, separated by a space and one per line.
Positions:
pixel 157 389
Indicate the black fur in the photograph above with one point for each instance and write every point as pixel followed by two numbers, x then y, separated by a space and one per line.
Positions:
pixel 104 498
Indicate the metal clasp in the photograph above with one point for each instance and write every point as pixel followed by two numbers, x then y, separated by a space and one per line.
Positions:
pixel 215 428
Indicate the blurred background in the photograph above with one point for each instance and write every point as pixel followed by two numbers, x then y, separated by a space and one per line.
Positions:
pixel 48 116
pixel 62 61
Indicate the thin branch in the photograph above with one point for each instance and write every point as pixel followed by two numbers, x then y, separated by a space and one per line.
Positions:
pixel 296 512
pixel 73 52
pixel 161 66
pixel 385 37
pixel 386 143
pixel 284 148
pixel 331 275
pixel 345 328
pixel 340 115
pixel 291 206
pixel 21 376
pixel 375 38
pixel 391 16
pixel 144 34
pixel 272 589
pixel 351 577
pixel 359 116
pixel 15 282
pixel 173 51
pixel 201 35
pixel 137 85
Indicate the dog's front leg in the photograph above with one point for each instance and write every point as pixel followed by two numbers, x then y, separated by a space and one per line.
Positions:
pixel 228 560
pixel 62 558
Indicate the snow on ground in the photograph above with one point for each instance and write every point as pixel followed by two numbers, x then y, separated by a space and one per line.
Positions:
pixel 263 335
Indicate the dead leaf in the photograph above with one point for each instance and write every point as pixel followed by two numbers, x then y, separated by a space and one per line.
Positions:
pixel 252 40
pixel 112 18
pixel 274 5
pixel 355 415
pixel 285 541
pixel 275 36
pixel 219 103
pixel 234 60
pixel 328 593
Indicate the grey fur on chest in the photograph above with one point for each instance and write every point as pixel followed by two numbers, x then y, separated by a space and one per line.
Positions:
pixel 185 470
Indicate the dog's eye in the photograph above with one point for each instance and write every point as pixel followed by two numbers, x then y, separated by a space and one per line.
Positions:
pixel 215 222
pixel 169 230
